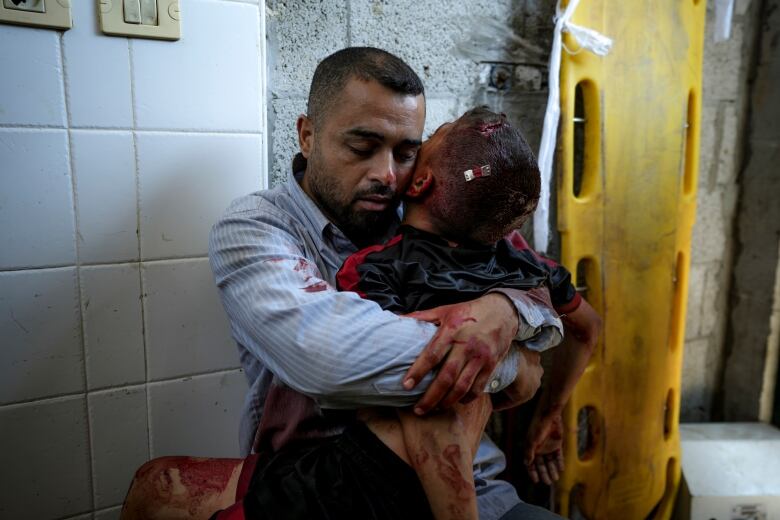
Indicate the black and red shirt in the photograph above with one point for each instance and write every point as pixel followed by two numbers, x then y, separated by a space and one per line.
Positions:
pixel 417 270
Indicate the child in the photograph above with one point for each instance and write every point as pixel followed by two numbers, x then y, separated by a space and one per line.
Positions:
pixel 475 181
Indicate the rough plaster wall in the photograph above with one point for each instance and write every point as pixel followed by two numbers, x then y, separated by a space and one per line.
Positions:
pixel 757 236
pixel 726 67
pixel 424 34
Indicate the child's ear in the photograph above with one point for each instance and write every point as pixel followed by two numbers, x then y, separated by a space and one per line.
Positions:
pixel 421 183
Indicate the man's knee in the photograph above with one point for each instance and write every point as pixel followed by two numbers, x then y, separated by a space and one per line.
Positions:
pixel 523 511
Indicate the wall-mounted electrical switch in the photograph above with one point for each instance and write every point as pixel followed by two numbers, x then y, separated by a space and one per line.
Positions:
pixel 53 14
pixel 157 19
pixel 132 11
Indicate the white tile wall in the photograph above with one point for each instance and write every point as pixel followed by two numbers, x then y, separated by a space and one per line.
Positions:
pixel 187 416
pixel 186 329
pixel 40 334
pixel 210 79
pixel 186 181
pixel 45 458
pixel 31 81
pixel 108 514
pixel 89 126
pixel 98 72
pixel 120 442
pixel 104 170
pixel 113 325
pixel 36 199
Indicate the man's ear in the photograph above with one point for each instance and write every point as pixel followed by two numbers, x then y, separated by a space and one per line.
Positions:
pixel 305 134
pixel 422 182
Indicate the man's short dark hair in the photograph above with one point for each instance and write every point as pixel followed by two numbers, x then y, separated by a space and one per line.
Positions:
pixel 485 208
pixel 365 63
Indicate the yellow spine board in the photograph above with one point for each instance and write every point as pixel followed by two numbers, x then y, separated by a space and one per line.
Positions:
pixel 630 225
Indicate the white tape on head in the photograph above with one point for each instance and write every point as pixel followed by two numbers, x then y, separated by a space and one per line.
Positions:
pixel 479 171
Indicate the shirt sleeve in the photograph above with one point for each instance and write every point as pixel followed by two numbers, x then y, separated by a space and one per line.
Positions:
pixel 336 347
pixel 564 295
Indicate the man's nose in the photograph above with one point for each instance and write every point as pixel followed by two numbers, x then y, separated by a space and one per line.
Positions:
pixel 384 170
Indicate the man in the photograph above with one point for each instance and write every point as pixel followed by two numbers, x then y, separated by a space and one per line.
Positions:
pixel 275 255
pixel 450 248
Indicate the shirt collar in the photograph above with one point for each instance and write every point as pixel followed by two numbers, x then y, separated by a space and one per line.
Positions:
pixel 310 213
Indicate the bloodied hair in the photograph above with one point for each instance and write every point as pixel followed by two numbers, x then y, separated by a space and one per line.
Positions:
pixel 365 63
pixel 489 206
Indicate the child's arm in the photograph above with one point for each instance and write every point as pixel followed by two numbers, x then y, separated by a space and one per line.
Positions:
pixel 525 385
pixel 543 455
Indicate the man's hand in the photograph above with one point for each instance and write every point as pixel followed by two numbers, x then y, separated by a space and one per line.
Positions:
pixel 543 452
pixel 525 385
pixel 473 336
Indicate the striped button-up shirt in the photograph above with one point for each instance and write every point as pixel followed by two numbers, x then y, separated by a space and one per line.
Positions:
pixel 275 257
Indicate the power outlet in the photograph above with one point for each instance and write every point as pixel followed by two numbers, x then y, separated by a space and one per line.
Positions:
pixel 51 14
pixel 35 6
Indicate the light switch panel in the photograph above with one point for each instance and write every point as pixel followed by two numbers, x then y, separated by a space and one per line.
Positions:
pixel 156 19
pixel 52 14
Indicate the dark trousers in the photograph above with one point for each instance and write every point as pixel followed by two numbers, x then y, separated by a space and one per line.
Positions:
pixel 525 511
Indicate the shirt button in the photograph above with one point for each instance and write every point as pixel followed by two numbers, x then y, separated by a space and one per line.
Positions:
pixel 494 384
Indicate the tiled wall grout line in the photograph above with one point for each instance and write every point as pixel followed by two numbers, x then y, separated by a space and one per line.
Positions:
pixel 151 130
pixel 169 259
pixel 77 515
pixel 36 268
pixel 122 386
pixel 45 400
pixel 35 126
pixel 196 375
pixel 264 180
pixel 141 285
pixel 79 298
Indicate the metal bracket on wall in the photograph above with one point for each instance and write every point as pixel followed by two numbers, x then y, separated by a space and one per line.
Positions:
pixel 155 19
pixel 51 14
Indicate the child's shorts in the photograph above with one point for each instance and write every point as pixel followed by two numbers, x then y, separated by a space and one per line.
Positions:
pixel 352 475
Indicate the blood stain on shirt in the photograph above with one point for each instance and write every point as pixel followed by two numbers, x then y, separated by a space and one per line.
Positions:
pixel 317 287
pixel 301 265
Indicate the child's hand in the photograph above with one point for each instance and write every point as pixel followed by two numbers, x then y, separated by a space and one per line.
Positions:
pixel 543 452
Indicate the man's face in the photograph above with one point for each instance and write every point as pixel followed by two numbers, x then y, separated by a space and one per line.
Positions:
pixel 361 155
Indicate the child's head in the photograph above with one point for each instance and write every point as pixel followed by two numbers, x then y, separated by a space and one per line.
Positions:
pixel 504 178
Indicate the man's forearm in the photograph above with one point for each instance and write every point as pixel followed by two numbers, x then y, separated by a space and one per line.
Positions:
pixel 333 346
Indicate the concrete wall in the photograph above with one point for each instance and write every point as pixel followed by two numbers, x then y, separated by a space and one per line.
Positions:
pixel 428 35
pixel 724 108
pixel 116 156
pixel 754 333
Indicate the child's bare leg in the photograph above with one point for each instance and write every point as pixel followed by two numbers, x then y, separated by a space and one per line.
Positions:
pixel 182 488
pixel 440 447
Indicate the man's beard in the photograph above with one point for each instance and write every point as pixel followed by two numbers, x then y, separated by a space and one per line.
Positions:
pixel 361 227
